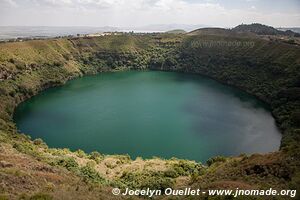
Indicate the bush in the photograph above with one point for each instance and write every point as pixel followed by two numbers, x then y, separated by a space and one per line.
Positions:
pixel 69 163
pixel 90 174
pixel 171 173
pixel 38 141
pixel 123 159
pixel 80 153
pixel 96 156
pixel 20 65
pixel 29 148
pixel 146 179
pixel 58 63
pixel 186 168
pixel 215 160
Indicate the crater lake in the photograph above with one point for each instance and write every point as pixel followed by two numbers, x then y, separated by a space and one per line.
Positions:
pixel 150 113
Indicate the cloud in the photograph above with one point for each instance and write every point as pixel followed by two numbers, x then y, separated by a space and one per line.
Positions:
pixel 58 2
pixel 96 4
pixel 140 12
pixel 10 3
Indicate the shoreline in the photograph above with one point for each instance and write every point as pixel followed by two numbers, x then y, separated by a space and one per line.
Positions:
pixel 179 72
pixel 31 71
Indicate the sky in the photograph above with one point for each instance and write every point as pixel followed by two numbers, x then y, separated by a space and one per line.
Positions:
pixel 137 13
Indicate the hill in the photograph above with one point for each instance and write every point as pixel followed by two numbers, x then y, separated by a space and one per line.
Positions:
pixel 294 29
pixel 269 70
pixel 261 29
pixel 211 31
pixel 177 31
pixel 220 32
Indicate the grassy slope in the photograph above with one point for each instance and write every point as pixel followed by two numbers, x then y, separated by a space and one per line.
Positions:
pixel 268 70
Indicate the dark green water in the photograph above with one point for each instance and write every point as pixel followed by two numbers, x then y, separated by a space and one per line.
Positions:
pixel 150 114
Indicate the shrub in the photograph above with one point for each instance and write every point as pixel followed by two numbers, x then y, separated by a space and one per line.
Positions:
pixel 110 165
pixel 186 168
pixel 215 160
pixel 38 141
pixel 96 156
pixel 69 163
pixel 20 65
pixel 91 163
pixel 146 179
pixel 171 173
pixel 58 64
pixel 28 148
pixel 80 153
pixel 90 174
pixel 123 159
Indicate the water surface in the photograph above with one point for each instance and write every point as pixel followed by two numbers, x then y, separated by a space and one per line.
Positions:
pixel 149 114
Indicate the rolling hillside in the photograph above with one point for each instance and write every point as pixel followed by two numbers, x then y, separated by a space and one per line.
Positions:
pixel 270 70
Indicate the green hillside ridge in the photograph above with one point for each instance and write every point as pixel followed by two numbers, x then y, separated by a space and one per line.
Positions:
pixel 261 29
pixel 177 31
pixel 270 70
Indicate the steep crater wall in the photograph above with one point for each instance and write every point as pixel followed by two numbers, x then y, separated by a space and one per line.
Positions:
pixel 269 70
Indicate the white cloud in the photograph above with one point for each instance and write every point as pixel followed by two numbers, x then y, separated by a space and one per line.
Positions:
pixel 138 13
pixel 10 2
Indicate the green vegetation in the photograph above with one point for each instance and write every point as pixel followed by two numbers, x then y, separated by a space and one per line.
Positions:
pixel 261 29
pixel 186 168
pixel 96 156
pixel 90 174
pixel 267 69
pixel 177 31
pixel 215 160
pixel 147 179
pixel 69 163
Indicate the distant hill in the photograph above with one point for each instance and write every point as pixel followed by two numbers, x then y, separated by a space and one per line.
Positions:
pixel 294 29
pixel 13 32
pixel 261 29
pixel 177 31
pixel 220 32
pixel 210 31
pixel 267 69
pixel 166 27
